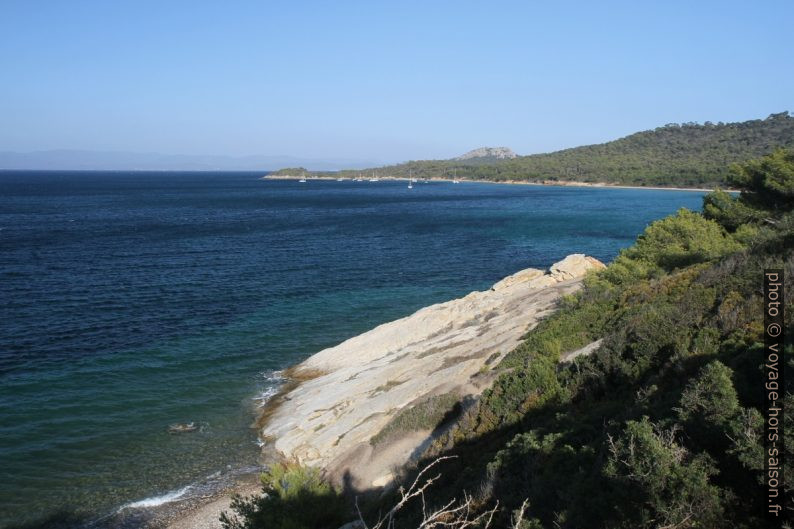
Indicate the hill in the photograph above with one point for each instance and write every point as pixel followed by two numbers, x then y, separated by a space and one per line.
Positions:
pixel 687 155
pixel 487 154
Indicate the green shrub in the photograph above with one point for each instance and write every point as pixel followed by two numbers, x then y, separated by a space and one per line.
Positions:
pixel 515 393
pixel 767 182
pixel 684 239
pixel 662 484
pixel 711 397
pixel 295 497
pixel 728 211
pixel 578 323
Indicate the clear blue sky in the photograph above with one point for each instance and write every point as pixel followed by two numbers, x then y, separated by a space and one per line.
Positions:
pixel 380 80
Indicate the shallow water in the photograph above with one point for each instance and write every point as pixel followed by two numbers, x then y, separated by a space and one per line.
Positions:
pixel 131 301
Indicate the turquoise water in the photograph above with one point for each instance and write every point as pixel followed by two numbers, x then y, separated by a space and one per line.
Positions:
pixel 131 301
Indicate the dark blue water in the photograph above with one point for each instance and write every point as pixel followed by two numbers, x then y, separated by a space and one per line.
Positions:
pixel 129 301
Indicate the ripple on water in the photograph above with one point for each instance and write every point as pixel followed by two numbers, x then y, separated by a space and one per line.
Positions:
pixel 178 297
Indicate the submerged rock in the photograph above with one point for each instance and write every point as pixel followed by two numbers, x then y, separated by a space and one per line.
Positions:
pixel 183 427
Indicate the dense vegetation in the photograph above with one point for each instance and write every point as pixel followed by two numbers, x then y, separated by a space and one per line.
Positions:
pixel 660 426
pixel 688 154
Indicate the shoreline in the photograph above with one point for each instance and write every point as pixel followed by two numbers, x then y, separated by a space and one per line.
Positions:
pixel 546 183
pixel 330 405
pixel 197 505
pixel 340 402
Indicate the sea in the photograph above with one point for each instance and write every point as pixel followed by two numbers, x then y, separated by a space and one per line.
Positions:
pixel 130 301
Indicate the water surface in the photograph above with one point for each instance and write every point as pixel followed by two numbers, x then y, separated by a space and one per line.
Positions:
pixel 134 300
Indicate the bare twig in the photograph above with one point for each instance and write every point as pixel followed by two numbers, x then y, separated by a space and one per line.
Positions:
pixel 452 515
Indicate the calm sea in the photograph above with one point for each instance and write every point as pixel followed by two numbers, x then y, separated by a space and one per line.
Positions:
pixel 130 301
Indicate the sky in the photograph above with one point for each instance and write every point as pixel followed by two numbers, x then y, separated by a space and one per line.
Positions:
pixel 378 80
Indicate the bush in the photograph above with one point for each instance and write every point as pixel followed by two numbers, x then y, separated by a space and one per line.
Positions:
pixel 678 241
pixel 295 497
pixel 710 398
pixel 727 211
pixel 768 182
pixel 664 484
pixel 515 393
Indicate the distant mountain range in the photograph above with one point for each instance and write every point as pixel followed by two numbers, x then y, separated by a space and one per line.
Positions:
pixel 137 161
pixel 687 154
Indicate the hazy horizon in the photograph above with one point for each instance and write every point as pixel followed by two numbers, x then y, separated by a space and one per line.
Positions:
pixel 371 85
pixel 65 159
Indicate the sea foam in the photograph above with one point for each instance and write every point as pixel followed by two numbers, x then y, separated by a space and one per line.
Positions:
pixel 155 501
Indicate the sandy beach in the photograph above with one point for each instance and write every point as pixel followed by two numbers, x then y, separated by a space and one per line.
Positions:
pixel 547 183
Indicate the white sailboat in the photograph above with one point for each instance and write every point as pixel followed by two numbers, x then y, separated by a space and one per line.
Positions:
pixel 373 179
pixel 455 177
pixel 410 180
pixel 303 178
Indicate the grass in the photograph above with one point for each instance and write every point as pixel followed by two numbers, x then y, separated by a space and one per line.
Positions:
pixel 426 415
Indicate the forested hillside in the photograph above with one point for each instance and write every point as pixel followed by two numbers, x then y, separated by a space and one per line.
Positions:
pixel 688 155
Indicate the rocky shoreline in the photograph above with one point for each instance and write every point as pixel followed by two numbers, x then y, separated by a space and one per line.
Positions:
pixel 339 399
pixel 335 402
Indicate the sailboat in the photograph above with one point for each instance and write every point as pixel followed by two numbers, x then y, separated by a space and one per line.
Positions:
pixel 303 178
pixel 410 180
pixel 373 179
pixel 455 177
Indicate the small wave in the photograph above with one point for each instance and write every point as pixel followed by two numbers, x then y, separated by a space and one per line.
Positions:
pixel 155 501
pixel 276 376
pixel 274 380
pixel 266 395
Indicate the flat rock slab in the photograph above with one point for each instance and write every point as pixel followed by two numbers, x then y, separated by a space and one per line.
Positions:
pixel 359 385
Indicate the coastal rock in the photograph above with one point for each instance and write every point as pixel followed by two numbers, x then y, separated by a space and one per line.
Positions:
pixel 575 265
pixel 584 351
pixel 350 392
pixel 519 277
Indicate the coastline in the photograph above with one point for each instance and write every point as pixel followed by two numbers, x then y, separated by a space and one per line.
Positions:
pixel 338 411
pixel 545 183
pixel 325 414
pixel 197 505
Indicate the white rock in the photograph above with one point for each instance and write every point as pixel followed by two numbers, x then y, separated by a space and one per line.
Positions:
pixel 575 265
pixel 500 153
pixel 584 351
pixel 382 481
pixel 366 380
pixel 519 277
